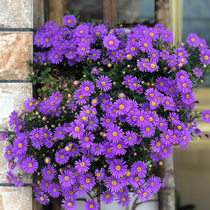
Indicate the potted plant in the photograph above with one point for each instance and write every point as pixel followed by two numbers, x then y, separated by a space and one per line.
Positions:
pixel 110 108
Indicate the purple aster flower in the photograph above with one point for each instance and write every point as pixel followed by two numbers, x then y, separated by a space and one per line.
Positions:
pixel 168 103
pixel 82 166
pixel 95 70
pixel 111 42
pixel 91 205
pixel 107 151
pixel 107 197
pixel 92 123
pixel 206 116
pixel 100 175
pixel 154 184
pixel 144 193
pixel 87 88
pixel 66 178
pixel 139 168
pixel 130 138
pixel 167 137
pixel 61 157
pixel 69 20
pixel 46 40
pixel 55 56
pixel 77 129
pixel 69 204
pixel 114 133
pixel 59 133
pixel 145 45
pixel 20 144
pixel 87 139
pixel 48 172
pixel 202 45
pixel 103 83
pixel 184 84
pixel 40 57
pixel 44 185
pixel 17 181
pixel 30 165
pixel 135 181
pixel 118 168
pixel 9 152
pixel 10 177
pixel 197 72
pixel 54 190
pixel 87 181
pixel 83 49
pixel 42 198
pixel 113 184
pixel 205 57
pixel 118 148
pixel 94 54
pixel 81 99
pixel 156 145
pixel 192 40
pixel 167 36
pixel 141 118
pixel 122 106
pixel 165 151
pixel 3 136
pixel 19 127
pixel 107 120
pixel 123 200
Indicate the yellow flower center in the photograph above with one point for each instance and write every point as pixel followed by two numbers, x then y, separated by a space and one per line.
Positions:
pixel 76 129
pixel 30 165
pixel 69 21
pixel 117 168
pixel 138 169
pixel 103 83
pixel 114 182
pixel 87 180
pixel 114 133
pixel 145 45
pixel 82 164
pixel 121 107
pixel 20 145
pixel 66 178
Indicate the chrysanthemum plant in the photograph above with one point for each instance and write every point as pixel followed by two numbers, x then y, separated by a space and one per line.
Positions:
pixel 111 106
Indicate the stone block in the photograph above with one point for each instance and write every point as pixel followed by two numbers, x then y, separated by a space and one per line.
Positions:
pixel 15 198
pixel 16 14
pixel 16 49
pixel 12 97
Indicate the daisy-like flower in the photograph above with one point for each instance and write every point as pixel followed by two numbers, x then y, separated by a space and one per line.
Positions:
pixel 123 200
pixel 156 145
pixel 193 40
pixel 165 151
pixel 130 138
pixel 76 129
pixel 61 157
pixel 48 172
pixel 197 72
pixel 30 165
pixel 136 181
pixel 107 197
pixel 83 49
pixel 205 57
pixel 103 83
pixel 79 97
pixel 184 84
pixel 42 198
pixel 91 205
pixel 154 184
pixel 118 168
pixel 17 181
pixel 206 116
pixel 30 105
pixel 59 132
pixel 122 106
pixel 145 45
pixel 69 204
pixel 66 178
pixel 8 152
pixel 87 181
pixel 20 144
pixel 95 70
pixel 107 120
pixel 167 136
pixel 86 139
pixel 114 133
pixel 168 103
pixel 69 20
pixel 166 36
pixel 100 175
pixel 87 88
pixel 47 160
pixel 118 148
pixel 54 190
pixel 82 166
pixel 141 118
pixel 55 56
pixel 144 193
pixel 111 42
pixel 113 184
pixel 139 168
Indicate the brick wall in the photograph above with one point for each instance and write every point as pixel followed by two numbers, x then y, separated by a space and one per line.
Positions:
pixel 15 48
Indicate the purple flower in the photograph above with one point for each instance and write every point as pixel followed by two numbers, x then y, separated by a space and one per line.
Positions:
pixel 166 36
pixel 61 157
pixel 36 136
pixel 69 20
pixel 83 49
pixel 103 83
pixel 139 168
pixel 54 190
pixel 118 168
pixel 95 54
pixel 20 144
pixel 193 40
pixel 130 138
pixel 66 178
pixel 206 116
pixel 91 205
pixel 107 197
pixel 48 172
pixel 197 72
pixel 42 198
pixel 87 181
pixel 145 45
pixel 87 88
pixel 30 165
pixel 82 166
pixel 144 193
pixel 69 204
pixel 114 133
pixel 55 56
pixel 111 42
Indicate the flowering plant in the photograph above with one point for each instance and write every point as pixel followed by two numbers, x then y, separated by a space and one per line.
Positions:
pixel 113 104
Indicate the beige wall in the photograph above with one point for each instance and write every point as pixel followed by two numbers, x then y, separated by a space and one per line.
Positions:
pixel 15 49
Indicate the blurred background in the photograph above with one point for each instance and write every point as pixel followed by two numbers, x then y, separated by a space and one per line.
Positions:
pixel 191 167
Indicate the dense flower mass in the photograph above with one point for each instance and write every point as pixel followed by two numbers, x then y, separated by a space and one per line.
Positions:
pixel 130 102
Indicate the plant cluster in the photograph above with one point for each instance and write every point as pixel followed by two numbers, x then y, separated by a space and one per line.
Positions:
pixel 112 106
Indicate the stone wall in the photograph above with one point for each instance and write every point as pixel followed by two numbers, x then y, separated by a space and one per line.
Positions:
pixel 16 38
